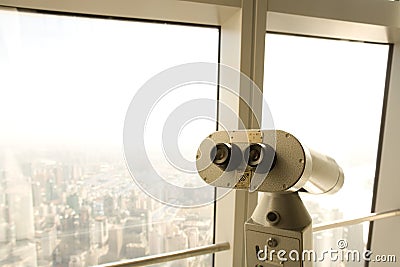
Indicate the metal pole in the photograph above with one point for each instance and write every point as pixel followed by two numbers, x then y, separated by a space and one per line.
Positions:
pixel 368 218
pixel 170 256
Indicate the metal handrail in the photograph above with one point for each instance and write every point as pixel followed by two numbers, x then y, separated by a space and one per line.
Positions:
pixel 170 256
pixel 187 253
pixel 372 217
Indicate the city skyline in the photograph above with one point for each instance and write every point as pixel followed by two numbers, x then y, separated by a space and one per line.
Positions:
pixel 88 213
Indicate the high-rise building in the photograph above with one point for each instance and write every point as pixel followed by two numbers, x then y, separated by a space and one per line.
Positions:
pixel 156 242
pixel 134 230
pixel 98 208
pixel 100 231
pixel 193 236
pixel 48 242
pixel 50 190
pixel 36 194
pixel 18 208
pixel 74 202
pixel 84 227
pixel 109 206
pixel 115 241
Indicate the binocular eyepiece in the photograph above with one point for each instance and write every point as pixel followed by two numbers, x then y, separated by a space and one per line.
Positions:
pixel 258 156
pixel 221 154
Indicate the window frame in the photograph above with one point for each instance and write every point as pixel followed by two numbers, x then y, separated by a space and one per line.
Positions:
pixel 243 25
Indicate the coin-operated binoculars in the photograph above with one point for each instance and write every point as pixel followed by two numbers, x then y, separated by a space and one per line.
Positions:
pixel 276 163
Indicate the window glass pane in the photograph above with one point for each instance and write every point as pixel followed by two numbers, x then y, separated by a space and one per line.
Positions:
pixel 66 197
pixel 329 94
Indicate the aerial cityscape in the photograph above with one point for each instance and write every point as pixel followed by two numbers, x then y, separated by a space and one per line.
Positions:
pixel 78 209
pixel 71 209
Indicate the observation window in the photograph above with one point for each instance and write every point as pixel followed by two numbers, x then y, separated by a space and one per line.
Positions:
pixel 66 197
pixel 329 94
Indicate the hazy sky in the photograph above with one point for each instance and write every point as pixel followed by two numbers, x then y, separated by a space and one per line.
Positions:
pixel 329 94
pixel 69 80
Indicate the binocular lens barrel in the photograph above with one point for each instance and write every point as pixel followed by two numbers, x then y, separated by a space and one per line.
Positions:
pixel 221 154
